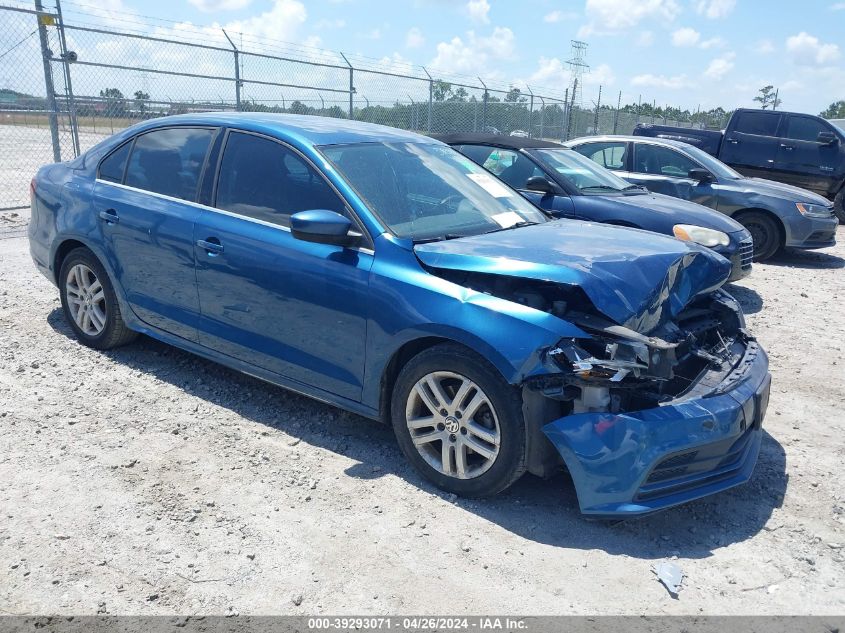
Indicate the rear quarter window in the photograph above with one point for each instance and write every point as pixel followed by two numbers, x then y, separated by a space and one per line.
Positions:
pixel 113 166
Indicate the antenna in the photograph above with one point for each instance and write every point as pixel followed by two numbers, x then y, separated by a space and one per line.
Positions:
pixel 578 67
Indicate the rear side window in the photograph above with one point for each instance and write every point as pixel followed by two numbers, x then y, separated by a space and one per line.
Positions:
pixel 264 180
pixel 802 128
pixel 662 161
pixel 112 168
pixel 761 123
pixel 608 155
pixel 169 161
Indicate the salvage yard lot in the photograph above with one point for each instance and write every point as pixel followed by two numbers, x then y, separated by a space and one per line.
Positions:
pixel 148 481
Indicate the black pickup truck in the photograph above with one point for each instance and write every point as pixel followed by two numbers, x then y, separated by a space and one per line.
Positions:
pixel 798 149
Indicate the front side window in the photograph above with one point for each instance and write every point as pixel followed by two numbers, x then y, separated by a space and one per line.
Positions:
pixel 425 191
pixel 661 161
pixel 802 128
pixel 509 165
pixel 760 123
pixel 112 168
pixel 169 161
pixel 264 180
pixel 610 155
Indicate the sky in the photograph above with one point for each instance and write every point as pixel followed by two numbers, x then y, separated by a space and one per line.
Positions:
pixel 684 53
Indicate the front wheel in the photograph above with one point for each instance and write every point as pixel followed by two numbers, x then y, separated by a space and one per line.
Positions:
pixel 459 422
pixel 765 233
pixel 839 206
pixel 89 302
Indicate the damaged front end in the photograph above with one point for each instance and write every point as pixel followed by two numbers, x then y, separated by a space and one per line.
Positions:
pixel 658 419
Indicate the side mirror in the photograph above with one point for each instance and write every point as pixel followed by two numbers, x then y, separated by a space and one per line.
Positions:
pixel 539 183
pixel 323 227
pixel 700 175
pixel 827 138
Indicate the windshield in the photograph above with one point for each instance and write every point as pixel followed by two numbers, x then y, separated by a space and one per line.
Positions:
pixel 581 172
pixel 712 164
pixel 424 191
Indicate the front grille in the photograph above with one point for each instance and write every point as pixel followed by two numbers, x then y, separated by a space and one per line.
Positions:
pixel 697 467
pixel 746 253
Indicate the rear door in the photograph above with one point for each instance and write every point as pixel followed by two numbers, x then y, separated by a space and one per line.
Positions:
pixel 145 198
pixel 802 160
pixel 295 308
pixel 751 142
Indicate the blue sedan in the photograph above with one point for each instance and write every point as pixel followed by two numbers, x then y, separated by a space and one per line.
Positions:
pixel 563 182
pixel 384 273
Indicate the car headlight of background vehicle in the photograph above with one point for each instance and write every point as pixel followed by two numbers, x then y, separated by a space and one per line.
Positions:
pixel 813 210
pixel 700 235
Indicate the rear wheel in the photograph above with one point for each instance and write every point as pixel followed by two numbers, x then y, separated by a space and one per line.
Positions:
pixel 89 302
pixel 459 422
pixel 764 231
pixel 839 206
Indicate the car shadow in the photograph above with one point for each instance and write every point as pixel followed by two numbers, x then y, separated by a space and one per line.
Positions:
pixel 795 257
pixel 543 511
pixel 748 298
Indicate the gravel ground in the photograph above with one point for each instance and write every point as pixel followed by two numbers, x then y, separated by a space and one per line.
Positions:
pixel 148 481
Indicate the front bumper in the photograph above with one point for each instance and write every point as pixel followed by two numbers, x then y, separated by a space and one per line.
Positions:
pixel 806 232
pixel 630 464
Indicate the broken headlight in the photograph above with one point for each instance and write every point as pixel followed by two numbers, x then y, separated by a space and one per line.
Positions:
pixel 700 235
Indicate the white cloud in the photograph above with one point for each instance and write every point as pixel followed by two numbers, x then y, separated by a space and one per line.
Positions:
pixel 328 24
pixel 807 50
pixel 414 38
pixel 558 16
pixel 550 72
pixel 685 37
pixel 763 47
pixel 474 54
pixel 713 42
pixel 601 75
pixel 838 6
pixel 280 22
pixel 209 6
pixel 478 11
pixel 661 81
pixel 617 15
pixel 372 34
pixel 714 9
pixel 720 66
pixel 644 39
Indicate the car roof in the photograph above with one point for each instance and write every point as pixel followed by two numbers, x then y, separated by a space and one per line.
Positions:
pixel 309 129
pixel 627 138
pixel 507 142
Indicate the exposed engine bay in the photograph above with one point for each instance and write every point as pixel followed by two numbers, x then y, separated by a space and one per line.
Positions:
pixel 619 369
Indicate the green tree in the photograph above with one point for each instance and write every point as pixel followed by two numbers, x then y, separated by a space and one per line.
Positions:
pixel 835 110
pixel 115 102
pixel 514 95
pixel 297 107
pixel 141 99
pixel 441 90
pixel 768 98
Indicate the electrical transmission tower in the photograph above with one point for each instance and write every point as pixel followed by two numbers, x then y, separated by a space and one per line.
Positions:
pixel 578 67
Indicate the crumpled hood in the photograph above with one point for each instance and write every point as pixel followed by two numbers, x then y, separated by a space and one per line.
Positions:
pixel 636 278
pixel 782 190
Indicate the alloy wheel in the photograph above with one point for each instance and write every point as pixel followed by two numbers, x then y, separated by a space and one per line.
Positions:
pixel 453 425
pixel 86 300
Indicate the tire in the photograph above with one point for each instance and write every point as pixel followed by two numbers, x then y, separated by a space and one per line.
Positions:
pixel 839 206
pixel 765 232
pixel 84 286
pixel 495 427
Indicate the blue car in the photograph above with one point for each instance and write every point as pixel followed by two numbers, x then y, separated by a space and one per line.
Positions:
pixel 385 273
pixel 563 182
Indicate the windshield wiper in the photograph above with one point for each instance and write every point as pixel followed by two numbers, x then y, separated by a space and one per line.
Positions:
pixel 600 188
pixel 633 187
pixel 512 226
pixel 438 238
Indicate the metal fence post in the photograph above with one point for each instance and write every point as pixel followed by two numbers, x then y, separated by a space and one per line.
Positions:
pixel 571 107
pixel 351 87
pixel 542 114
pixel 616 114
pixel 430 97
pixel 485 96
pixel 43 19
pixel 563 113
pixel 596 117
pixel 66 58
pixel 236 53
pixel 530 110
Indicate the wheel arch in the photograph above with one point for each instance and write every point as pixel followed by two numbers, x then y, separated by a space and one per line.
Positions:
pixel 767 212
pixel 61 253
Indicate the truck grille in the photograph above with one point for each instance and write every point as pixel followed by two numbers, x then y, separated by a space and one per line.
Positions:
pixel 746 253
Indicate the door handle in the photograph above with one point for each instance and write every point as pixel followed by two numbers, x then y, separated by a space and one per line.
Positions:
pixel 733 141
pixel 788 148
pixel 110 216
pixel 211 246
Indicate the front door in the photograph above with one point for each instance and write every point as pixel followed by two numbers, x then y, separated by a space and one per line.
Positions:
pixel 665 170
pixel 295 308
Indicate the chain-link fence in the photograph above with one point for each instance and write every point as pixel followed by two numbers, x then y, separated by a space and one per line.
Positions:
pixel 64 87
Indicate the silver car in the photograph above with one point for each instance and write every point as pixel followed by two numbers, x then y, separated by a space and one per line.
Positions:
pixel 775 214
